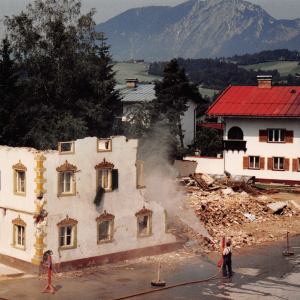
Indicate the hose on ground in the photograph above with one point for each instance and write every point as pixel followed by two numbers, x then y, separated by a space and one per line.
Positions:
pixel 169 287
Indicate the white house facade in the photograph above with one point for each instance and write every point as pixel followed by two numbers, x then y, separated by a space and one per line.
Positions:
pixel 85 202
pixel 261 131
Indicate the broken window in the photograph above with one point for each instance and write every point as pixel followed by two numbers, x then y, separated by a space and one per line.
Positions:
pixel 104 178
pixel 140 174
pixel 144 225
pixel 144 222
pixel 20 181
pixel 66 147
pixel 105 228
pixel 104 145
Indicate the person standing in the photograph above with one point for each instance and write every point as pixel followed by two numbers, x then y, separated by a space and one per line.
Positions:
pixel 227 261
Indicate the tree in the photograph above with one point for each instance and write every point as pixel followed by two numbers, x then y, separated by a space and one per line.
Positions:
pixel 9 94
pixel 172 96
pixel 66 81
pixel 208 141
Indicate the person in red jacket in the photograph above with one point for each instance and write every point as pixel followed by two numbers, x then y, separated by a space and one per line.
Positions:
pixel 227 261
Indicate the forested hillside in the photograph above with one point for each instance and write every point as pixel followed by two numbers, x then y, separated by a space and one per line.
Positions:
pixel 215 73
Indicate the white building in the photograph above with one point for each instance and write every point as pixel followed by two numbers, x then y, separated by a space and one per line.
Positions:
pixel 261 131
pixel 133 93
pixel 92 192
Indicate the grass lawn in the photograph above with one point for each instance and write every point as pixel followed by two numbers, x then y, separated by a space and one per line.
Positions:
pixel 208 92
pixel 130 70
pixel 283 67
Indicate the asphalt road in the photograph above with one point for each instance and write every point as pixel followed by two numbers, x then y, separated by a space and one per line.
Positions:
pixel 260 272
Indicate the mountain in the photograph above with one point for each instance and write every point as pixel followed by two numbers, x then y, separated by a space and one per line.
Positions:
pixel 198 29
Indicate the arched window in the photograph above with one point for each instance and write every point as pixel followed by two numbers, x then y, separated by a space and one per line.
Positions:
pixel 235 133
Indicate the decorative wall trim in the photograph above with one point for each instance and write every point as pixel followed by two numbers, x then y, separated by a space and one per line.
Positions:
pixel 144 211
pixel 104 165
pixel 105 216
pixel 66 167
pixel 19 166
pixel 67 221
pixel 19 221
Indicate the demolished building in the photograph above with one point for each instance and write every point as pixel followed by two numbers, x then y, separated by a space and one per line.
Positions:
pixel 85 202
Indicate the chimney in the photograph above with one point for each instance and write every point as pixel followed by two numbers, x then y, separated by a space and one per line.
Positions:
pixel 264 81
pixel 131 82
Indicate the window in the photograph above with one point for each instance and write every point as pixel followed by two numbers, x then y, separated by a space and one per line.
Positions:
pixel 105 228
pixel 235 133
pixel 278 163
pixel 104 145
pixel 66 236
pixel 66 148
pixel 66 180
pixel 106 176
pixel 144 222
pixel 253 162
pixel 140 175
pixel 276 135
pixel 19 179
pixel 19 233
pixel 67 233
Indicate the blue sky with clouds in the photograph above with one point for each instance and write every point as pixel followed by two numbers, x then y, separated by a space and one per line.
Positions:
pixel 106 9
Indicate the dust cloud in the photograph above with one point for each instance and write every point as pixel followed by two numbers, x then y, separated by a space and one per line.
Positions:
pixel 161 182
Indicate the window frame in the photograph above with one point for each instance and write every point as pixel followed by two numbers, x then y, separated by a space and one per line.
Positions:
pixel 65 224
pixel 108 149
pixel 61 175
pixel 105 217
pixel 258 162
pixel 144 213
pixel 17 170
pixel 72 151
pixel 18 223
pixel 140 175
pixel 280 131
pixel 109 179
pixel 278 162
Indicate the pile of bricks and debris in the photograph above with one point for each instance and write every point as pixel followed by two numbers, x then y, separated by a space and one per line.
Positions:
pixel 224 207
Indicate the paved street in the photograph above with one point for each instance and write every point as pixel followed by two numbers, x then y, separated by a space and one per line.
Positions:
pixel 261 272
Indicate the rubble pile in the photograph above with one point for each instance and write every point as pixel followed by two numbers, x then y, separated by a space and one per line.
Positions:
pixel 225 211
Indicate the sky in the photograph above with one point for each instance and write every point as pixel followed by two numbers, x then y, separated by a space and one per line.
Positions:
pixel 106 9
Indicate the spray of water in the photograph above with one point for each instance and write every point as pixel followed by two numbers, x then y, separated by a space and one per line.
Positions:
pixel 161 182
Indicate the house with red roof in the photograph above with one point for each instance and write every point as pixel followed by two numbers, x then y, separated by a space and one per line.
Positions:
pixel 261 131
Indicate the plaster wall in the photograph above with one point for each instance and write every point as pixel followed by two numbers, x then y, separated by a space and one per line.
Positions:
pixel 189 123
pixel 123 202
pixel 251 127
pixel 209 165
pixel 12 206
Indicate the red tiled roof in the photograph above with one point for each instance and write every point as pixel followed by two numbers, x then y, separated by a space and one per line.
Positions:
pixel 278 101
pixel 219 126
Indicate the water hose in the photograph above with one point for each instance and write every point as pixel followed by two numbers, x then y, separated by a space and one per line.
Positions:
pixel 169 287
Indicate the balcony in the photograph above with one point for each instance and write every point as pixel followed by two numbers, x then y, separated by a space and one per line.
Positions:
pixel 239 145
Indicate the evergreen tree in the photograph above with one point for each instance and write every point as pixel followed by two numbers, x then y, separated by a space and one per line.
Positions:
pixel 172 96
pixel 66 81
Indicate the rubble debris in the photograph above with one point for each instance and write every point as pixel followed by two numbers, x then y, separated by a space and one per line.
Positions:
pixel 229 214
pixel 293 205
pixel 275 207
